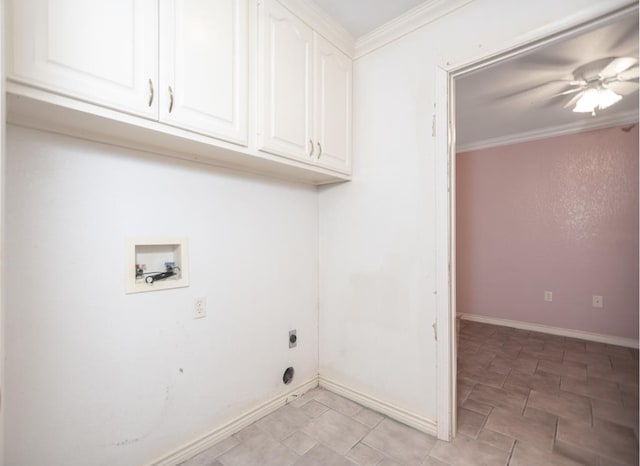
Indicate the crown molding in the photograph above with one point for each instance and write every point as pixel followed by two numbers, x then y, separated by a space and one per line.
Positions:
pixel 316 18
pixel 581 126
pixel 413 19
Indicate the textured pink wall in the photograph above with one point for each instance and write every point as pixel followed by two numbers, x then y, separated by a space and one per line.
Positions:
pixel 559 214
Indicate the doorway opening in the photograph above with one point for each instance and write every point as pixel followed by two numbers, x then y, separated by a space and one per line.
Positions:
pixel 445 124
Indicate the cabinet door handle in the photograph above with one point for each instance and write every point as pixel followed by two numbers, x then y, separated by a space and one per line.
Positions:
pixel 150 92
pixel 319 150
pixel 170 99
pixel 311 146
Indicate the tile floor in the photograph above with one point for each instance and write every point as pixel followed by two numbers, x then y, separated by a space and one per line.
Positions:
pixel 524 398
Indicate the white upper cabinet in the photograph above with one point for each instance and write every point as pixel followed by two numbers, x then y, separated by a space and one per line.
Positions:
pixel 203 66
pixel 286 54
pixel 185 65
pixel 99 51
pixel 332 125
pixel 305 92
pixel 246 84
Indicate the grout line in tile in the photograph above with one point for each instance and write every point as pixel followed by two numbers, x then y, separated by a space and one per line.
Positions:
pixel 513 448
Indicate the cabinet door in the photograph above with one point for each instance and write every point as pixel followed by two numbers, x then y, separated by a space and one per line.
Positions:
pixel 203 66
pixel 332 106
pixel 286 97
pixel 104 52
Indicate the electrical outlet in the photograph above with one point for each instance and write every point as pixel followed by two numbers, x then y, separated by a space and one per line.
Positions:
pixel 548 296
pixel 596 301
pixel 199 308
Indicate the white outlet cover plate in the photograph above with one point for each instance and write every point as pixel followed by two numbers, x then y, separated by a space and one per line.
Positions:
pixel 199 308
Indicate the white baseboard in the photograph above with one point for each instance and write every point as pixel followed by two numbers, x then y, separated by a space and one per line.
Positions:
pixel 564 332
pixel 231 427
pixel 423 424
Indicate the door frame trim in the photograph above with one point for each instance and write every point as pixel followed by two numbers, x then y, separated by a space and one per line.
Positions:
pixel 444 165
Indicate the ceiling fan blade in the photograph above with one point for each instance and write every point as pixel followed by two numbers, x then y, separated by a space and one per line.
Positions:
pixel 544 88
pixel 570 91
pixel 573 100
pixel 631 73
pixel 623 87
pixel 617 66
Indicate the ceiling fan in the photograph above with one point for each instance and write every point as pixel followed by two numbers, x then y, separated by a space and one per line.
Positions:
pixel 601 83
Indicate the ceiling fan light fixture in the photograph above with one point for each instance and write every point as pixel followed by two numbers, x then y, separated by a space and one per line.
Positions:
pixel 588 102
pixel 608 98
pixel 596 98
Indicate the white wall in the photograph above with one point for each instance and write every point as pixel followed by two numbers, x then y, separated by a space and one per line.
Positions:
pixel 97 377
pixel 377 233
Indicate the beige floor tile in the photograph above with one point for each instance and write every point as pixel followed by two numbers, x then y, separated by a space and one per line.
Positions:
pixel 620 375
pixel 314 409
pixel 464 451
pixel 469 422
pixel 389 462
pixel 541 382
pixel 321 456
pixel 630 401
pixel 546 354
pixel 464 387
pixel 536 432
pixel 593 388
pixel 368 418
pixel 497 397
pixel 400 442
pixel 519 390
pixel 628 389
pixel 364 455
pixel 575 453
pixel 283 422
pixel 578 346
pixel 247 433
pixel 483 376
pixel 604 438
pixel 610 462
pixel 477 407
pixel 260 449
pixel 499 441
pixel 540 416
pixel 337 403
pixel 522 363
pixel 570 368
pixel 528 455
pixel 587 358
pixel 208 457
pixel 430 461
pixel 299 442
pixel 335 430
pixel 564 405
pixel 615 412
pixel 630 365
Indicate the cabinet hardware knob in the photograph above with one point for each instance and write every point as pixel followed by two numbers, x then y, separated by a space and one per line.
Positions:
pixel 170 99
pixel 319 150
pixel 311 146
pixel 150 92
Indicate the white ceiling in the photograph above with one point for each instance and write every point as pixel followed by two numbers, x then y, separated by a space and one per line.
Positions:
pixel 362 16
pixel 516 96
